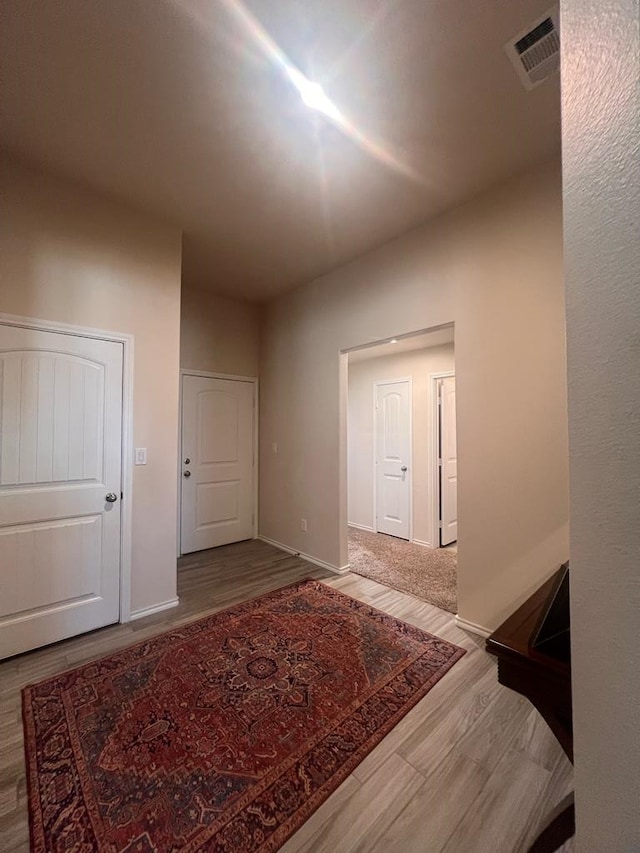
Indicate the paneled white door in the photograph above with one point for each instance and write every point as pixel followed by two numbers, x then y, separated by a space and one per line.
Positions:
pixel 217 462
pixel 448 462
pixel 393 453
pixel 60 481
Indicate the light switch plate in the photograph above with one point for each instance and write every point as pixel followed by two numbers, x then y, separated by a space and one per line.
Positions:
pixel 141 455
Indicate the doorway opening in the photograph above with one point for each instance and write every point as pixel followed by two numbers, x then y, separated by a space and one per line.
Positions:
pixel 401 464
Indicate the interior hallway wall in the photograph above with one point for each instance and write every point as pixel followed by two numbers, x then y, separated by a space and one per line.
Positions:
pixel 218 334
pixel 601 141
pixel 494 268
pixel 72 256
pixel 419 365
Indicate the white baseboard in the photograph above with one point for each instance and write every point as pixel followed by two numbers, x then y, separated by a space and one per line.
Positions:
pixel 360 526
pixel 154 608
pixel 337 570
pixel 424 544
pixel 480 630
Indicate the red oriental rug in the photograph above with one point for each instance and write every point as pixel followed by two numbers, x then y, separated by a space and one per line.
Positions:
pixel 224 734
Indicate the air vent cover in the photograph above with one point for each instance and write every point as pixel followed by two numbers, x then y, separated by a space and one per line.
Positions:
pixel 535 52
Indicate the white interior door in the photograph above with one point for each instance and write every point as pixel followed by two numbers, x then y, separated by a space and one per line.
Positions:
pixel 60 481
pixel 449 462
pixel 217 462
pixel 393 453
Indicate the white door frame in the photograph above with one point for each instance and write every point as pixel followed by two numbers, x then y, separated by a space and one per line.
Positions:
pixel 433 453
pixel 207 374
pixel 376 384
pixel 126 503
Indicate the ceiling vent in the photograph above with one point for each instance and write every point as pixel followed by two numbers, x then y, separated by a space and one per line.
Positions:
pixel 535 52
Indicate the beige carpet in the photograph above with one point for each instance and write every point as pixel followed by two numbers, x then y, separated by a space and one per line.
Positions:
pixel 429 574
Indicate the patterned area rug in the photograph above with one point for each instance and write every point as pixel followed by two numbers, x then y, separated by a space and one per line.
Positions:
pixel 225 734
pixel 428 573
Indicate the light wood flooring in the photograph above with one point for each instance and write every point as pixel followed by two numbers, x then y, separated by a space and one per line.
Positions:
pixel 472 768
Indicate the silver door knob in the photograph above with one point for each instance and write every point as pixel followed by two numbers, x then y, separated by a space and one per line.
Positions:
pixel 111 498
pixel 187 461
pixel 187 473
pixel 404 468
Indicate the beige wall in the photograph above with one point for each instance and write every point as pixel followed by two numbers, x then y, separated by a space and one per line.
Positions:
pixel 218 334
pixel 601 141
pixel 71 256
pixel 494 268
pixel 419 365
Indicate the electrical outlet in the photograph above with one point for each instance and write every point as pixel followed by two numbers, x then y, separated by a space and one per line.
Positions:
pixel 141 455
pixel 303 525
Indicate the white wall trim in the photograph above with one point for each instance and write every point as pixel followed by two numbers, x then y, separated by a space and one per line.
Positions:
pixel 154 608
pixel 63 328
pixel 337 570
pixel 376 384
pixel 206 374
pixel 423 544
pixel 360 526
pixel 472 627
pixel 343 460
pixel 126 506
pixel 126 548
pixel 434 439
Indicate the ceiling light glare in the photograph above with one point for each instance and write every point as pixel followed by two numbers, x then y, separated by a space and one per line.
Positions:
pixel 393 341
pixel 313 94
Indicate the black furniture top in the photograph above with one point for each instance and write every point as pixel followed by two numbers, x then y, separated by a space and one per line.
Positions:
pixel 532 647
pixel 533 651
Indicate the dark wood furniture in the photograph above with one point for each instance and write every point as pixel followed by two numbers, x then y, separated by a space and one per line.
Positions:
pixel 542 674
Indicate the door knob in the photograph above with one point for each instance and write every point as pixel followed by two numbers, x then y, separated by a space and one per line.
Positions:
pixel 187 474
pixel 187 461
pixel 111 498
pixel 404 468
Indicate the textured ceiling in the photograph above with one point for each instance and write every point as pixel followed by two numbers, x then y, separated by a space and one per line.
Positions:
pixel 175 107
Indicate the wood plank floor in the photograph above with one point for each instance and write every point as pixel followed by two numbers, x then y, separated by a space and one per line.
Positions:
pixel 471 769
